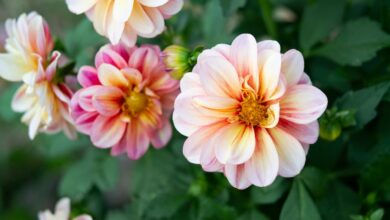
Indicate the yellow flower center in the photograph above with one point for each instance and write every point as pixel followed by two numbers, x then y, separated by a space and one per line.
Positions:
pixel 253 112
pixel 135 102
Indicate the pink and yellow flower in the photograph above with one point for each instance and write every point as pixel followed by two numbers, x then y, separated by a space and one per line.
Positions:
pixel 123 20
pixel 29 58
pixel 249 111
pixel 62 212
pixel 126 100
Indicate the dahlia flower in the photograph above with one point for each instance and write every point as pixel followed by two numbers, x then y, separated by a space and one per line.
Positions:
pixel 123 20
pixel 62 212
pixel 126 100
pixel 29 58
pixel 249 111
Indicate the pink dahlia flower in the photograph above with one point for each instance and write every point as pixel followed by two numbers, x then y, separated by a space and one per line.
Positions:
pixel 29 58
pixel 126 100
pixel 123 20
pixel 249 111
pixel 62 212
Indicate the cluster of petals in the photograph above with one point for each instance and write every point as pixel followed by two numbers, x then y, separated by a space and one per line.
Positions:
pixel 126 100
pixel 29 58
pixel 123 20
pixel 249 111
pixel 62 212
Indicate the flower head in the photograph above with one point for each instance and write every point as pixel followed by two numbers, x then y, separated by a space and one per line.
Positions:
pixel 29 58
pixel 126 100
pixel 62 212
pixel 123 20
pixel 249 111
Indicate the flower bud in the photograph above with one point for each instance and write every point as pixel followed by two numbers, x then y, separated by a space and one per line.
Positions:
pixel 180 60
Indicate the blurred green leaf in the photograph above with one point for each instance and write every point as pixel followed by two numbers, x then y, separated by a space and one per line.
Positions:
pixel 116 215
pixel 364 101
pixel 377 214
pixel 299 205
pixel 339 202
pixel 107 173
pixel 319 19
pixel 96 168
pixel 315 180
pixel 269 194
pixel 212 209
pixel 375 175
pixel 82 42
pixel 78 180
pixel 6 113
pixel 230 7
pixel 357 42
pixel 166 204
pixel 253 215
pixel 214 24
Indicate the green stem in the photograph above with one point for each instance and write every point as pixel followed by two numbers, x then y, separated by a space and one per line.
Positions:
pixel 270 25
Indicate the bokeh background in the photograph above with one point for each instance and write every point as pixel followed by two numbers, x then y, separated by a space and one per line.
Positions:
pixel 346 46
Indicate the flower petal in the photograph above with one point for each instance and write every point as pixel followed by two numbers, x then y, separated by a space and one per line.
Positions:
pixel 303 104
pixel 292 157
pixel 88 77
pixel 236 176
pixel 107 131
pixel 196 144
pixel 219 77
pixel 306 133
pixel 263 166
pixel 269 63
pixel 79 7
pixel 234 144
pixel 161 136
pixel 243 54
pixel 111 76
pixel 292 66
pixel 108 100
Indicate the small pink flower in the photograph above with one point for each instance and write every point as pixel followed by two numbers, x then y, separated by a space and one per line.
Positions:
pixel 123 20
pixel 29 58
pixel 62 212
pixel 126 100
pixel 249 111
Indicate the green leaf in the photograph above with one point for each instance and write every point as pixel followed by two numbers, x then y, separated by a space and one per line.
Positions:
pixel 166 204
pixel 357 42
pixel 315 180
pixel 230 7
pixel 214 34
pixel 376 174
pixel 116 215
pixel 107 173
pixel 339 202
pixel 319 19
pixel 82 42
pixel 269 194
pixel 299 205
pixel 6 113
pixel 78 180
pixel 253 215
pixel 377 214
pixel 364 101
pixel 212 209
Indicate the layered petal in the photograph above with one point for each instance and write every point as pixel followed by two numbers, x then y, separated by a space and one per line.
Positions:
pixel 234 144
pixel 303 104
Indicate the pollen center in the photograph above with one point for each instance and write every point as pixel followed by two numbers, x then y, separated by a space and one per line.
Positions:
pixel 252 112
pixel 135 103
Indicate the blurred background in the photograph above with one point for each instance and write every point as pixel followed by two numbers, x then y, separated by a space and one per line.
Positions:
pixel 346 47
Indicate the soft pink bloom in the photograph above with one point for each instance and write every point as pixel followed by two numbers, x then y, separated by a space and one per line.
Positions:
pixel 29 58
pixel 126 100
pixel 123 20
pixel 62 212
pixel 249 111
